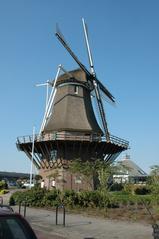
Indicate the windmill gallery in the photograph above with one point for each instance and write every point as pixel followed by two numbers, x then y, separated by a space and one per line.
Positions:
pixel 70 129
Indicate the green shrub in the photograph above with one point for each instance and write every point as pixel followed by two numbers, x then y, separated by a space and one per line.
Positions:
pixel 70 198
pixel 116 187
pixel 85 199
pixel 129 188
pixel 32 197
pixel 16 197
pixel 51 198
pixel 96 199
pixel 12 201
pixel 4 191
pixel 142 191
pixel 3 185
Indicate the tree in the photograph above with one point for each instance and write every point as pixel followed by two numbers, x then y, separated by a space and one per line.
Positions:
pixel 155 171
pixel 38 178
pixel 3 185
pixel 96 173
pixel 154 179
pixel 106 172
pixel 85 169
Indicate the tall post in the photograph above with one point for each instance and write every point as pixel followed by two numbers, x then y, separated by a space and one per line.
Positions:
pixel 32 157
pixel 47 93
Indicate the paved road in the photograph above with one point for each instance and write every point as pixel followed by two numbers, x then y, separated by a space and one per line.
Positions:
pixel 80 227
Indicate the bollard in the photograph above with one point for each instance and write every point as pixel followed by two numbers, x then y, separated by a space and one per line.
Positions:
pixel 56 215
pixel 64 214
pixel 24 208
pixel 19 207
pixel 1 200
pixel 155 233
pixel 22 203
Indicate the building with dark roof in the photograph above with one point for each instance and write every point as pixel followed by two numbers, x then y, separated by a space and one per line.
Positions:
pixel 130 172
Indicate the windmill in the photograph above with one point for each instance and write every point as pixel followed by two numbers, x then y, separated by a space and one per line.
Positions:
pixel 69 128
pixel 95 83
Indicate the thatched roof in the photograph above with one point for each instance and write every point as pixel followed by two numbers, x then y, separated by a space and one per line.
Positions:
pixel 73 111
pixel 132 168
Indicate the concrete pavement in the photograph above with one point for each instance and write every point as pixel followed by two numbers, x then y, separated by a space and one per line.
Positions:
pixel 82 227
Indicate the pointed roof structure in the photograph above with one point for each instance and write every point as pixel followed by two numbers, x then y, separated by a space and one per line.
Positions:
pixel 73 110
pixel 132 168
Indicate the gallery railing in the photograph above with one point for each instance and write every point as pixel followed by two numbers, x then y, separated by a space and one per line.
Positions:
pixel 73 137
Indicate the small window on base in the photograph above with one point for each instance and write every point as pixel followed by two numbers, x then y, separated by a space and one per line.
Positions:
pixel 76 89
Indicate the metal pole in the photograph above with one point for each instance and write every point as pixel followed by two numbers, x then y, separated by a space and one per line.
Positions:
pixel 24 208
pixel 32 157
pixel 63 216
pixel 155 233
pixel 47 93
pixel 1 200
pixel 56 215
pixel 19 207
pixel 50 100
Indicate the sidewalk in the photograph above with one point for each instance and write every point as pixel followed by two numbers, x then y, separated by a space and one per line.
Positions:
pixel 82 227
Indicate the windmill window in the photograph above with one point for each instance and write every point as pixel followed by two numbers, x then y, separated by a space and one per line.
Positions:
pixel 78 179
pixel 76 89
pixel 53 155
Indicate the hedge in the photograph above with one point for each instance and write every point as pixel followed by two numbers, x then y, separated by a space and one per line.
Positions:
pixel 38 197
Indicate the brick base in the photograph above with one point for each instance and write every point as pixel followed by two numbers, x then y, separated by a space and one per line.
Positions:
pixel 62 179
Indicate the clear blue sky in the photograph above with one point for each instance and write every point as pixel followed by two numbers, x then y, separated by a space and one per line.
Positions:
pixel 124 36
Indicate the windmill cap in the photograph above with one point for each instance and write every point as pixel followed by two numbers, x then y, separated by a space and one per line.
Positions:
pixel 76 75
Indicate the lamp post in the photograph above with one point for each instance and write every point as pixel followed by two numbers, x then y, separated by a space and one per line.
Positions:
pixel 32 157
